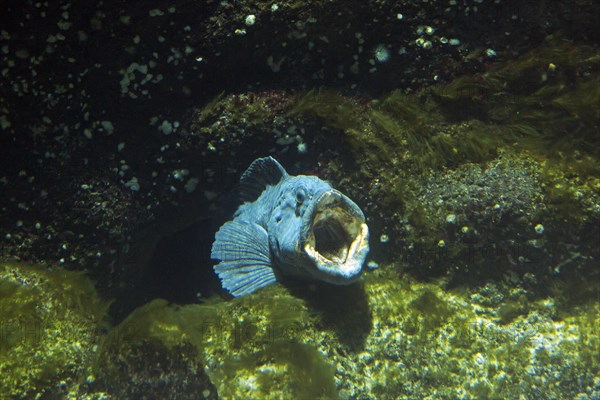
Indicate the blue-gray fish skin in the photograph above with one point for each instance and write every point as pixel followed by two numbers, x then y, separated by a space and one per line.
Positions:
pixel 289 226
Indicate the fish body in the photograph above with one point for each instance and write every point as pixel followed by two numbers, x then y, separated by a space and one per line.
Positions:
pixel 289 226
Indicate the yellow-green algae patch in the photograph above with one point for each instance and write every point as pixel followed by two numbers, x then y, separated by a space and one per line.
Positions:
pixel 415 340
pixel 427 341
pixel 268 346
pixel 257 347
pixel 156 351
pixel 49 325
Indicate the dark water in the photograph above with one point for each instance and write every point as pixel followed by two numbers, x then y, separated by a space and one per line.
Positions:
pixel 467 132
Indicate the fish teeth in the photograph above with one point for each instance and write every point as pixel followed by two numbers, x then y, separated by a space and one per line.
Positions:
pixel 314 254
pixel 342 234
pixel 348 252
pixel 364 231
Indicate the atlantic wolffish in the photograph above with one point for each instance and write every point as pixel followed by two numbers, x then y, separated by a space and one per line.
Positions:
pixel 289 226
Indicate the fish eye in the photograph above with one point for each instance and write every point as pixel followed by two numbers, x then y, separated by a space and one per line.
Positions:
pixel 300 195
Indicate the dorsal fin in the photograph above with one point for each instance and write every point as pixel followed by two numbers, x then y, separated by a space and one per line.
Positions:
pixel 261 173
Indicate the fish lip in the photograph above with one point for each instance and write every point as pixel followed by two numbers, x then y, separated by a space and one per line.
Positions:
pixel 336 214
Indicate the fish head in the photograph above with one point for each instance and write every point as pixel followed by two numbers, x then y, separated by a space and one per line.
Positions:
pixel 318 229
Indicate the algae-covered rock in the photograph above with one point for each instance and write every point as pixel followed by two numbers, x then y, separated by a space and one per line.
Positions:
pixel 479 219
pixel 264 346
pixel 431 341
pixel 152 354
pixel 50 323
pixel 385 338
pixel 271 347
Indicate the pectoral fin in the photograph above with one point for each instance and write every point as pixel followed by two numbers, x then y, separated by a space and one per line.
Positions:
pixel 243 249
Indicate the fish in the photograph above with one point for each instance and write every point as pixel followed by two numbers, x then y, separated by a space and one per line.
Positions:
pixel 296 227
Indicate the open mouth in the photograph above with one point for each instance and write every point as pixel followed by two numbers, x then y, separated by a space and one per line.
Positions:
pixel 338 235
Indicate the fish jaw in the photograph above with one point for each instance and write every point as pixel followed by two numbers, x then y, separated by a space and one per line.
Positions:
pixel 335 238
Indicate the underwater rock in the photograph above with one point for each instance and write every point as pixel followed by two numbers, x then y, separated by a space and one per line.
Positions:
pixel 397 337
pixel 125 148
pixel 261 348
pixel 495 207
pixel 266 346
pixel 150 355
pixel 430 341
pixel 50 325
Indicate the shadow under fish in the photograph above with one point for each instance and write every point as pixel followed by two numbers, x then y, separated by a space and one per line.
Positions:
pixel 289 226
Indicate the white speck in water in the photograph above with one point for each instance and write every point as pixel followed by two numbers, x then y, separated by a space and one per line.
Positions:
pixel 302 149
pixel 250 19
pixel 133 184
pixel 381 53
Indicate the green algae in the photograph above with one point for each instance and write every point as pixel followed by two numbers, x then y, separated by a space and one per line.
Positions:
pixel 537 106
pixel 435 311
pixel 571 187
pixel 313 374
pixel 255 347
pixel 50 320
pixel 469 352
pixel 407 124
pixel 276 352
pixel 512 309
pixel 424 339
pixel 158 346
pixel 287 369
pixel 541 100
